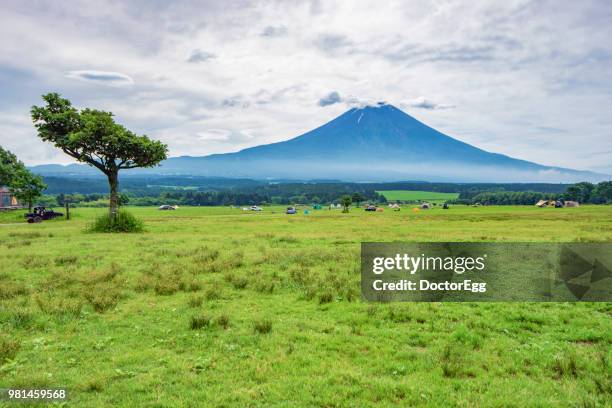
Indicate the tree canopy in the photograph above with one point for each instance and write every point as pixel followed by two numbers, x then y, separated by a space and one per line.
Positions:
pixel 91 136
pixel 23 184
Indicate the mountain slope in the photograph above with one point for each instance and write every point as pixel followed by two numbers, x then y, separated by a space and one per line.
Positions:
pixel 374 143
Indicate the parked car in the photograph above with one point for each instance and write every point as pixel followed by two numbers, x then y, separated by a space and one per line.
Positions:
pixel 41 213
pixel 167 207
pixel 291 210
pixel 370 208
pixel 256 208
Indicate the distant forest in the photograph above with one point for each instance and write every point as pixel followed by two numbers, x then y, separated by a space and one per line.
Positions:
pixel 205 191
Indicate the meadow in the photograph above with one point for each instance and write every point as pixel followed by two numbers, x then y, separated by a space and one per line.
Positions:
pixel 213 306
pixel 413 195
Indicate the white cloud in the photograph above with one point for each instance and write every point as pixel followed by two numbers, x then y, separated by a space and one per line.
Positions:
pixel 215 134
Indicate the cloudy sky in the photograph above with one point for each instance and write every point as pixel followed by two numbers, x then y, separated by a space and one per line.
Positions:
pixel 531 79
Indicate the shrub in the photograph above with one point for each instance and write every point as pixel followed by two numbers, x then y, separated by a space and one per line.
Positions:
pixel 200 321
pixel 124 222
pixel 263 326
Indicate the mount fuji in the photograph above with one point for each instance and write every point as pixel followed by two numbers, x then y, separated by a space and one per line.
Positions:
pixel 372 143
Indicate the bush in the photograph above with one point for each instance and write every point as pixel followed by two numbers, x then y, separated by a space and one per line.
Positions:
pixel 125 222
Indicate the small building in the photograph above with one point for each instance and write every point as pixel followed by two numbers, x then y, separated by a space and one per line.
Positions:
pixel 7 200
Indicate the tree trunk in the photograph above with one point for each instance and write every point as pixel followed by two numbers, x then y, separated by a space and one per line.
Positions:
pixel 113 182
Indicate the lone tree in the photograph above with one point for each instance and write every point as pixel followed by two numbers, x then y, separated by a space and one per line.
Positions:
pixel 23 184
pixel 92 136
pixel 346 202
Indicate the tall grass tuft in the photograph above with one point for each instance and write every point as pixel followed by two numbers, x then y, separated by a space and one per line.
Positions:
pixel 124 222
pixel 262 326
pixel 8 348
pixel 199 321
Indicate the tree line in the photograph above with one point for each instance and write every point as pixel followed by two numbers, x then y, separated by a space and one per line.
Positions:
pixel 259 196
pixel 583 192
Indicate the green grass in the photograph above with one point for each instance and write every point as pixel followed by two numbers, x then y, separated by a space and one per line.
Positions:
pixel 219 307
pixel 412 195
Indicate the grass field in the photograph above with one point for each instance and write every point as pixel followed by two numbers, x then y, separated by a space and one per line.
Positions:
pixel 412 195
pixel 216 307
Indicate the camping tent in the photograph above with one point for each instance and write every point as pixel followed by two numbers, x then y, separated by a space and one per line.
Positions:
pixel 542 203
pixel 425 206
pixel 316 207
pixel 572 204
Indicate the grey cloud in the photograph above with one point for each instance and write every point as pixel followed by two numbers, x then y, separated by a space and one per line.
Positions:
pixel 200 56
pixel 104 77
pixel 330 99
pixel 235 102
pixel 331 42
pixel 423 103
pixel 444 53
pixel 274 31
